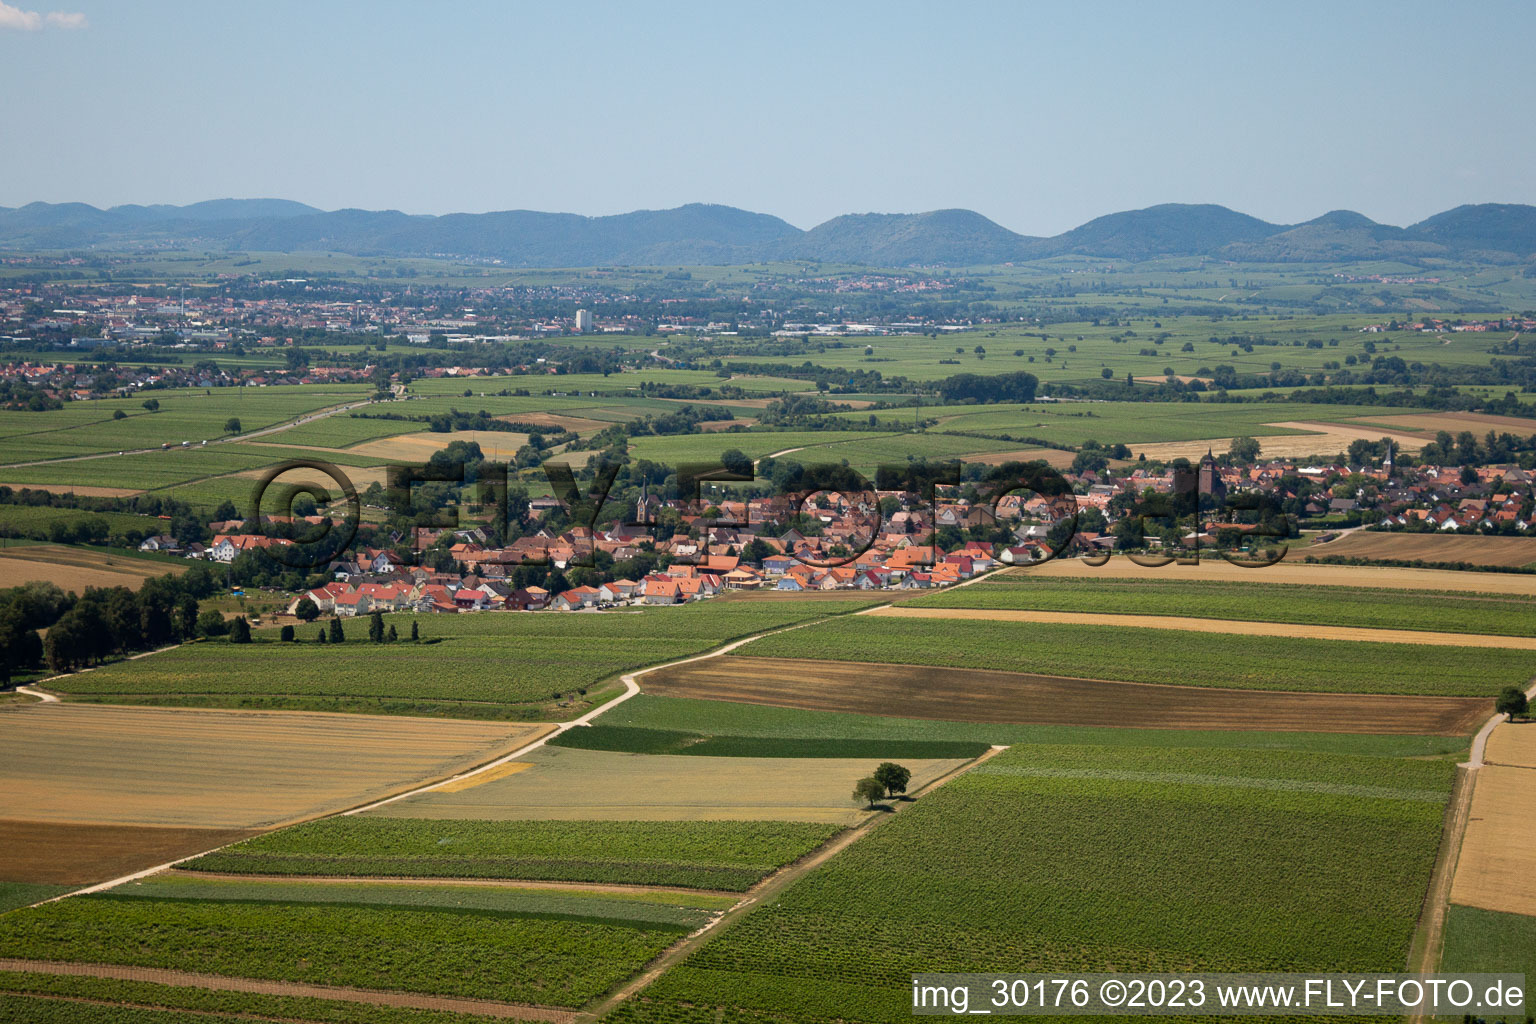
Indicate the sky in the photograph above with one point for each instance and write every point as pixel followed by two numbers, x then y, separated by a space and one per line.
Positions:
pixel 1038 115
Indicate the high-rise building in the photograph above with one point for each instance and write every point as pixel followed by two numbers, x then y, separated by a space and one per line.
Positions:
pixel 583 321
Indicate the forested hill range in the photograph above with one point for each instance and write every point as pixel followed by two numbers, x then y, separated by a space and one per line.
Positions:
pixel 700 234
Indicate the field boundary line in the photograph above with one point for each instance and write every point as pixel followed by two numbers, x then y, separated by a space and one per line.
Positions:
pixel 765 889
pixel 338 993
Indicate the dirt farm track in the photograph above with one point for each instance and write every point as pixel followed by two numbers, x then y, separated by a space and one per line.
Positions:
pixel 968 695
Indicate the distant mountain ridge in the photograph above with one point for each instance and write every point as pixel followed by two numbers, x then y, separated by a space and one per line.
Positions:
pixel 700 233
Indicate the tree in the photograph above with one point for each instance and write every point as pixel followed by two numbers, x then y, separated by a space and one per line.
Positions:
pixel 392 635
pixel 20 647
pixel 337 636
pixel 868 790
pixel 286 636
pixel 1243 449
pixel 320 635
pixel 211 623
pixel 376 626
pixel 118 414
pixel 893 777
pixel 1512 702
pixel 232 425
pixel 306 610
pixel 240 631
pixel 152 404
pixel 414 634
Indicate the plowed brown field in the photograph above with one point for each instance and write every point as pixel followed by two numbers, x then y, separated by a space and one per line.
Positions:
pixel 967 695
pixel 1507 552
pixel 51 853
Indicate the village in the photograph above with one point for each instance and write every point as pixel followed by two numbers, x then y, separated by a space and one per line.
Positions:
pixel 760 544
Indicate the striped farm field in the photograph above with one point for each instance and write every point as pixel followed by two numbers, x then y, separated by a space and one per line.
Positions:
pixel 1504 552
pixel 708 855
pixel 1087 859
pixel 605 785
pixel 1246 628
pixel 1291 572
pixel 1156 656
pixel 974 695
pixel 1255 600
pixel 475 666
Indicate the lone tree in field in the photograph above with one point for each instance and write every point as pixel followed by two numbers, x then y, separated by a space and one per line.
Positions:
pixel 868 790
pixel 893 777
pixel 232 425
pixel 376 626
pixel 320 635
pixel 414 634
pixel 286 635
pixel 306 610
pixel 337 636
pixel 1512 702
pixel 392 636
pixel 240 631
pixel 1244 449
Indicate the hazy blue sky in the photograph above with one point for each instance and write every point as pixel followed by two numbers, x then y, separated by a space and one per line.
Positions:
pixel 1040 116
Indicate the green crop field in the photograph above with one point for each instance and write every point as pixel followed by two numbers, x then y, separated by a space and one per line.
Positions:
pixel 728 855
pixel 1434 611
pixel 1070 858
pixel 185 414
pixel 727 718
pixel 483 666
pixel 1116 422
pixel 32 998
pixel 144 471
pixel 35 520
pixel 688 911
pixel 1485 941
pixel 476 953
pixel 676 449
pixel 1143 344
pixel 1157 656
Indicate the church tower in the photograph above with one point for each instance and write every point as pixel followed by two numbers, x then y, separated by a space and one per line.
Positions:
pixel 1210 479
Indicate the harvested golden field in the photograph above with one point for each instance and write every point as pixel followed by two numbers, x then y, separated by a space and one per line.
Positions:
pixel 568 784
pixel 577 424
pixel 1498 853
pixel 1477 422
pixel 1321 439
pixel 50 853
pixel 1506 552
pixel 1052 456
pixel 69 763
pixel 968 695
pixel 1512 744
pixel 85 491
pixel 1293 571
pixel 360 476
pixel 1243 627
pixel 421 447
pixel 75 568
